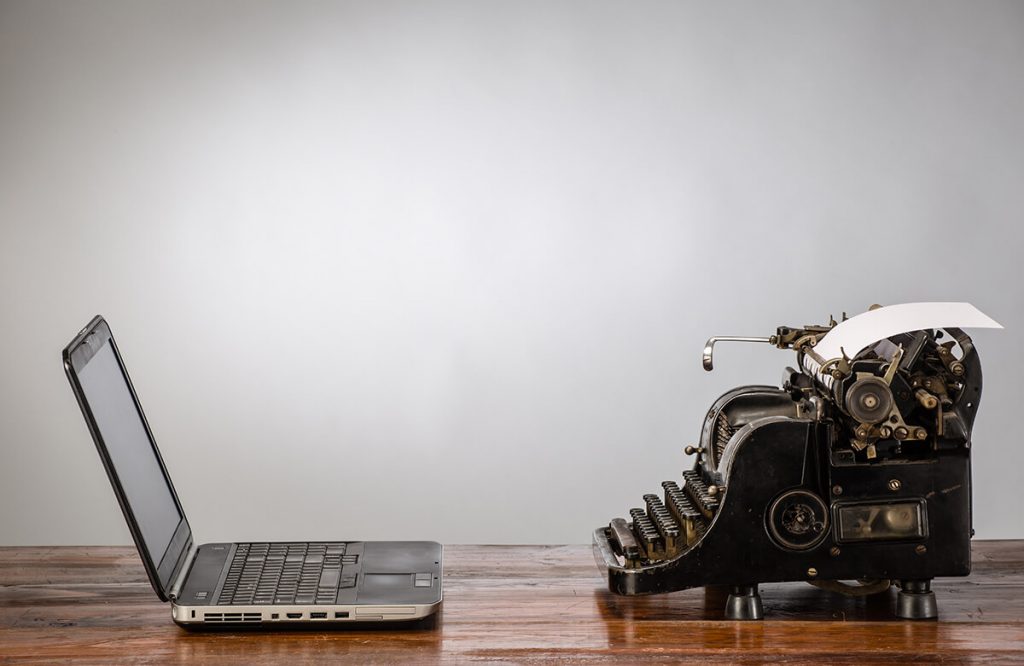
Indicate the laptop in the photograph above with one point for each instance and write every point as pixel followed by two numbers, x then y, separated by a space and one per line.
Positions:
pixel 255 583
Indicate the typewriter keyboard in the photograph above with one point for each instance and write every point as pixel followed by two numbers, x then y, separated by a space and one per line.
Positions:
pixel 666 524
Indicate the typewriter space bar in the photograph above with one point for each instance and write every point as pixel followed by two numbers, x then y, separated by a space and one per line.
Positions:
pixel 623 537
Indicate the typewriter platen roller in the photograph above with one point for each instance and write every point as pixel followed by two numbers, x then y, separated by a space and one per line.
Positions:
pixel 855 469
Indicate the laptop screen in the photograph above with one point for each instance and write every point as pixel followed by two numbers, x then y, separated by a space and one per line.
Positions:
pixel 131 452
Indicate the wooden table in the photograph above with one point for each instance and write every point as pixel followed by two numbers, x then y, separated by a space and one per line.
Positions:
pixel 512 604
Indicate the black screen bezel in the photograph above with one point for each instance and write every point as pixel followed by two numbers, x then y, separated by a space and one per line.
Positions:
pixel 76 355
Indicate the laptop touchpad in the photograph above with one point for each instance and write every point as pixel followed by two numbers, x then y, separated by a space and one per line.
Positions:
pixel 386 582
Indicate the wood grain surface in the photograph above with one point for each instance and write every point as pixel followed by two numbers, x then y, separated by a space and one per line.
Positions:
pixel 512 604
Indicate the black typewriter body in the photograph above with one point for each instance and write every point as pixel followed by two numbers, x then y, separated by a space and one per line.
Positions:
pixel 854 470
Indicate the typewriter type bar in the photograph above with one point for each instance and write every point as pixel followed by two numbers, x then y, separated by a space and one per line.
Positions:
pixel 623 536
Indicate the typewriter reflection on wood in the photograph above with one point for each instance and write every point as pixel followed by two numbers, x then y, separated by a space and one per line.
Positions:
pixel 856 469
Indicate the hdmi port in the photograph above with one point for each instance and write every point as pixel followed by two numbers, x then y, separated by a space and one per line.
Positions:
pixel 294 616
pixel 318 616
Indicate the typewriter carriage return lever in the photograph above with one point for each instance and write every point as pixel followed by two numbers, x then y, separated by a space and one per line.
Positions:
pixel 709 347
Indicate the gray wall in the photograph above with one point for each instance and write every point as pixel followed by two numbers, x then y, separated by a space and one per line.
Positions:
pixel 444 270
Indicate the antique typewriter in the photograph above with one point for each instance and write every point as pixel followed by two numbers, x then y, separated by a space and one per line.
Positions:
pixel 854 476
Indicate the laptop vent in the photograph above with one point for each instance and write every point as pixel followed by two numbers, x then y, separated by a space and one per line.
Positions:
pixel 232 617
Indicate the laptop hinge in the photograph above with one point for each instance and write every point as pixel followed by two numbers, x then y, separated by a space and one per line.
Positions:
pixel 183 570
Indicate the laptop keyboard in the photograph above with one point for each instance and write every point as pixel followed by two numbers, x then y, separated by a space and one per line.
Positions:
pixel 287 573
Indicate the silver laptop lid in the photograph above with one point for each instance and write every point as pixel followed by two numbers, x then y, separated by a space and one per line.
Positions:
pixel 129 453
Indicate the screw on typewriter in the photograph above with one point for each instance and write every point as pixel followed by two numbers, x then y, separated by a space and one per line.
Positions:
pixel 856 469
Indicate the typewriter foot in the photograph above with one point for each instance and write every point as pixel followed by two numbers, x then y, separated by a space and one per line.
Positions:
pixel 744 603
pixel 916 601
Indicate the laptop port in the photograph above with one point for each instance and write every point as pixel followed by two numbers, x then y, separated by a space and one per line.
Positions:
pixel 318 616
pixel 340 614
pixel 294 616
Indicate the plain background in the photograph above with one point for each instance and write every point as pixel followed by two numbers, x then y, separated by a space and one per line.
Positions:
pixel 444 270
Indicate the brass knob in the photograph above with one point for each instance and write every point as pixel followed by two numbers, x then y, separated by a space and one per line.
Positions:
pixel 690 450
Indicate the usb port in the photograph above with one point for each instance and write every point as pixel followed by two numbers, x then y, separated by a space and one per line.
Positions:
pixel 294 616
pixel 318 616
pixel 340 614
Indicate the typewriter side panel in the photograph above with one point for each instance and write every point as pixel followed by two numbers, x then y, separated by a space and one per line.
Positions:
pixel 935 495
